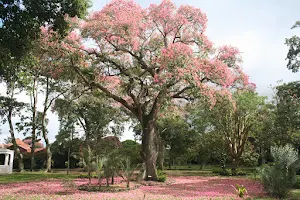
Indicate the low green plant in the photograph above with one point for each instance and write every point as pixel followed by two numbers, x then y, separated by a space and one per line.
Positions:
pixel 240 190
pixel 88 161
pixel 216 170
pixel 100 162
pixel 128 170
pixel 241 173
pixel 225 172
pixel 280 177
pixel 161 176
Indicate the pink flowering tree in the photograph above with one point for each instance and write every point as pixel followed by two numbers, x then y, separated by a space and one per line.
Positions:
pixel 143 59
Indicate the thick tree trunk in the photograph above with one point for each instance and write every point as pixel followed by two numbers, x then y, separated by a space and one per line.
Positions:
pixel 16 148
pixel 161 154
pixel 149 146
pixel 49 157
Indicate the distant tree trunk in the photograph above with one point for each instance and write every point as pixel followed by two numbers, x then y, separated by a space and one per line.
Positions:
pixel 161 154
pixel 235 163
pixel 34 119
pixel 262 155
pixel 44 129
pixel 89 175
pixel 170 159
pixel 112 180
pixel 149 146
pixel 107 181
pixel 16 148
pixel 69 150
pixel 68 167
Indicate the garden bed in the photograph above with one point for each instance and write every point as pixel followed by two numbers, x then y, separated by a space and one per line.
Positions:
pixel 111 188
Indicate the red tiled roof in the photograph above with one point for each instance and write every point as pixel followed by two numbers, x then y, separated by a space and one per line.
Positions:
pixel 24 146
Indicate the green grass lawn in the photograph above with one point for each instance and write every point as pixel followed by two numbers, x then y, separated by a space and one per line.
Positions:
pixel 33 176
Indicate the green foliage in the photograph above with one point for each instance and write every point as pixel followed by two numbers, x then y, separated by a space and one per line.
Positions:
pixel 226 127
pixel 240 190
pixel 161 176
pixel 100 162
pixel 241 173
pixel 128 169
pixel 131 149
pixel 287 113
pixel 225 172
pixel 279 178
pixel 21 21
pixel 111 165
pixel 88 161
pixel 250 156
pixel 294 51
pixel 175 132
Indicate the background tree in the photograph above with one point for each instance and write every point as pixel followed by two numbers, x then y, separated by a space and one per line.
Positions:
pixel 294 50
pixel 144 58
pixel 287 113
pixel 10 107
pixel 131 149
pixel 235 121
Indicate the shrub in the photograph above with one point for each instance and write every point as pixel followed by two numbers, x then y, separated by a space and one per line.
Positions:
pixel 279 178
pixel 297 184
pixel 241 173
pixel 222 172
pixel 225 172
pixel 216 170
pixel 161 176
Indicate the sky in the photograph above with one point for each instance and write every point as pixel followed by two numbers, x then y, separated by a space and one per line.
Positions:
pixel 257 27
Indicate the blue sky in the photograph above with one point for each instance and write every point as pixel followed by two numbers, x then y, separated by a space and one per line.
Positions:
pixel 257 27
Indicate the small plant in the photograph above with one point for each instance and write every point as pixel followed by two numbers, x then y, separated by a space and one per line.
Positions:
pixel 240 190
pixel 161 176
pixel 88 161
pixel 128 170
pixel 100 164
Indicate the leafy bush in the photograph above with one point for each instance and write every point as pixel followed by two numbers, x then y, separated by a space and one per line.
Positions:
pixel 279 178
pixel 225 172
pixel 222 172
pixel 297 184
pixel 241 173
pixel 216 170
pixel 161 176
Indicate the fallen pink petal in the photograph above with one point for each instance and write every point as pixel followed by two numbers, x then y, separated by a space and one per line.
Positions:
pixel 183 188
